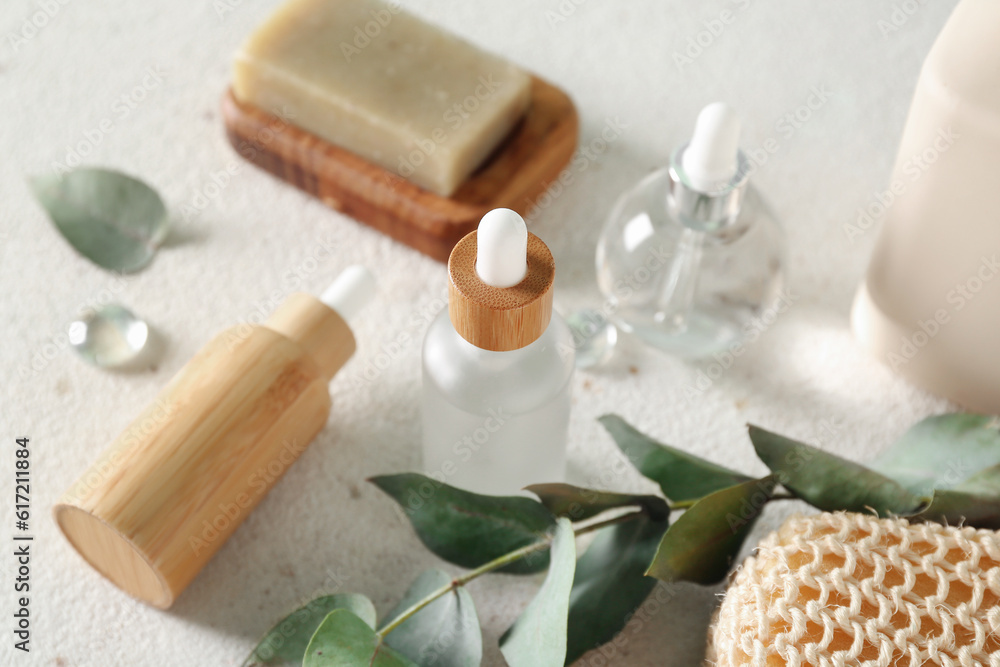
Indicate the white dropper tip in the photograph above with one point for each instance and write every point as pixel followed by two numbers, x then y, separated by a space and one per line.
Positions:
pixel 502 248
pixel 710 160
pixel 352 289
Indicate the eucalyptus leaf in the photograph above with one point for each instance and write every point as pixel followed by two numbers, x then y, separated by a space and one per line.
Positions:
pixel 986 482
pixel 953 507
pixel 974 502
pixel 344 640
pixel 829 482
pixel 579 504
pixel 611 583
pixel 682 476
pixel 538 637
pixel 445 633
pixel 942 451
pixel 700 546
pixel 285 644
pixel 469 529
pixel 112 219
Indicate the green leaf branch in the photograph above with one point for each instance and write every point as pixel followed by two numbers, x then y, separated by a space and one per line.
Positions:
pixel 946 468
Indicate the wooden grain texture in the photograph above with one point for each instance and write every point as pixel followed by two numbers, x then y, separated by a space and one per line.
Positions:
pixel 513 177
pixel 320 330
pixel 158 504
pixel 500 319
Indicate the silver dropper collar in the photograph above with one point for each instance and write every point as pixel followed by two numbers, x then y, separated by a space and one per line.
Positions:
pixel 706 211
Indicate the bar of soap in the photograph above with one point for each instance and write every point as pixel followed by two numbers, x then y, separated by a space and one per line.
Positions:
pixel 385 85
pixel 851 589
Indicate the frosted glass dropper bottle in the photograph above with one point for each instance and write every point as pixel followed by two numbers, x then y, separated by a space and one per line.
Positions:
pixel 497 365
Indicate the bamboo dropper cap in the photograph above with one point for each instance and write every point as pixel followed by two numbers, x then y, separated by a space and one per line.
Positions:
pixel 500 284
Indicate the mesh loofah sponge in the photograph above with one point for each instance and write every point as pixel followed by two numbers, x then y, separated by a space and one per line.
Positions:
pixel 838 590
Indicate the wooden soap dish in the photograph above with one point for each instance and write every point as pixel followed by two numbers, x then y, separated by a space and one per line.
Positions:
pixel 530 158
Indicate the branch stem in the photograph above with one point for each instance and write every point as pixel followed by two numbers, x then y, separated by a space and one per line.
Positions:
pixel 525 551
pixel 498 563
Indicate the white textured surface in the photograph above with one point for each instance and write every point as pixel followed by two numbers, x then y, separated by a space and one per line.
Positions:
pixel 253 239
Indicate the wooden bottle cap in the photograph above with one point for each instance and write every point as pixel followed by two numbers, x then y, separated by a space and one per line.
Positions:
pixel 316 327
pixel 494 318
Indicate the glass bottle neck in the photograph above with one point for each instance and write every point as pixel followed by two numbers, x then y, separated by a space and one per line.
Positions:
pixel 706 211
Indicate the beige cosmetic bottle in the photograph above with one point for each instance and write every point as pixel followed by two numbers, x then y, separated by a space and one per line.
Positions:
pixel 930 304
pixel 168 493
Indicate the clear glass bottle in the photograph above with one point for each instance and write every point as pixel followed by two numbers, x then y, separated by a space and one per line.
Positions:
pixel 687 264
pixel 495 420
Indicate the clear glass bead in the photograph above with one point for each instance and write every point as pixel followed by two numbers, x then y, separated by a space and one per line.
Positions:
pixel 594 337
pixel 688 285
pixel 109 336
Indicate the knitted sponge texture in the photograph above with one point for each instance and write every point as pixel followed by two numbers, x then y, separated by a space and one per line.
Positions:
pixel 838 590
